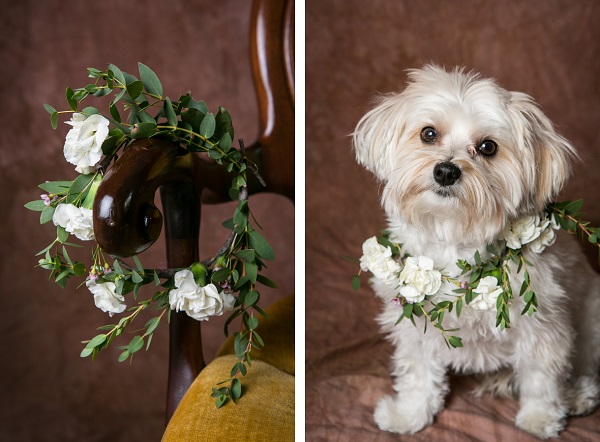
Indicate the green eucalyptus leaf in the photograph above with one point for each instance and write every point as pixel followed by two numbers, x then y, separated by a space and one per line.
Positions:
pixel 50 109
pixel 252 322
pixel 54 120
pixel 79 269
pixel 118 74
pixel 96 341
pixel 225 142
pixel 62 234
pixel 36 206
pixel 90 111
pixel 70 99
pixel 455 341
pixel 251 298
pixel 207 127
pixel 220 275
pixel 135 277
pixel 46 215
pixel 56 187
pixel 80 187
pixel 152 324
pixel 224 123
pixel 143 130
pixel 170 112
pixel 114 112
pixel 221 401
pixel 134 89
pixel 198 105
pixel 138 264
pixel 150 80
pixel 123 356
pixel 261 246
pixel 86 352
pixel 266 281
pixel 109 146
pixel 136 344
pixel 236 389
pixel 246 255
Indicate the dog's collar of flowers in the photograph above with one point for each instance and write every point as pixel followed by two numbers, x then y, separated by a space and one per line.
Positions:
pixel 422 290
pixel 224 283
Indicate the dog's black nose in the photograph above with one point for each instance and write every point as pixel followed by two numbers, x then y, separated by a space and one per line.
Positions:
pixel 446 173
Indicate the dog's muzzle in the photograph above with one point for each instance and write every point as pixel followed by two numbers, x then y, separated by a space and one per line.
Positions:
pixel 446 173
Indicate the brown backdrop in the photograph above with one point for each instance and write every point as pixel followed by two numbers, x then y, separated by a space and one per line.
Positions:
pixel 48 392
pixel 355 49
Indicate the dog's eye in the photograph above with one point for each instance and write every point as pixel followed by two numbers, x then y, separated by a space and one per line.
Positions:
pixel 488 147
pixel 429 135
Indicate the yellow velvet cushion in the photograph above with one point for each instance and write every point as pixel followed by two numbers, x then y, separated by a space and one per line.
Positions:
pixel 265 412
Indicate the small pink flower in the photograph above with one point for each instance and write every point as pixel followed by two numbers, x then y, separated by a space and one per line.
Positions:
pixel 46 199
pixel 397 302
pixel 92 276
pixel 463 285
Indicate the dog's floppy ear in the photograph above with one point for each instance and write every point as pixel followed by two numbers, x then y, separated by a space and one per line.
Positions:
pixel 553 154
pixel 377 134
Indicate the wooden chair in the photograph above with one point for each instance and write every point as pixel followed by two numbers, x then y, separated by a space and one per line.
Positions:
pixel 186 180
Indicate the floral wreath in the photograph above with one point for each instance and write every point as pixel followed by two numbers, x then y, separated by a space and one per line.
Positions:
pixel 422 290
pixel 225 283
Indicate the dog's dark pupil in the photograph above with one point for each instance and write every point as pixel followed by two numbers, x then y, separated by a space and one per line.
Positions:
pixel 428 135
pixel 488 147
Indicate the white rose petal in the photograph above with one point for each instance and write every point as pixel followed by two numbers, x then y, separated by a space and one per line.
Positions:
pixel 487 294
pixel 419 279
pixel 75 220
pixel 378 260
pixel 198 302
pixel 83 145
pixel 105 297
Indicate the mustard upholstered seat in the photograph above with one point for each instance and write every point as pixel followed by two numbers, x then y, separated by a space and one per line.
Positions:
pixel 265 412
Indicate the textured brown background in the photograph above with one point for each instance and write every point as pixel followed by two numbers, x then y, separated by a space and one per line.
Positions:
pixel 355 49
pixel 47 392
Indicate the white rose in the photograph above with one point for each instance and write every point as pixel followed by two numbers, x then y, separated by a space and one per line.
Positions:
pixel 75 220
pixel 198 302
pixel 527 230
pixel 83 146
pixel 105 297
pixel 378 260
pixel 419 279
pixel 487 294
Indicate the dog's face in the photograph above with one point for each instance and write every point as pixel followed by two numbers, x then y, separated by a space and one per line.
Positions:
pixel 458 155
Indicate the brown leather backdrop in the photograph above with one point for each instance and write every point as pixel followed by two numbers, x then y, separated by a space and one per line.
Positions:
pixel 549 49
pixel 48 392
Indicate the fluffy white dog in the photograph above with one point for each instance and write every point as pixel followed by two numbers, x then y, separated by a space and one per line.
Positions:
pixel 461 159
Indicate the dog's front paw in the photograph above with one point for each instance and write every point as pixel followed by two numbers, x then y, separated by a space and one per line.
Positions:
pixel 404 417
pixel 541 421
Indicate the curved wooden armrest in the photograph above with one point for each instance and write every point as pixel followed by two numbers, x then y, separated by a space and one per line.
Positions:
pixel 126 222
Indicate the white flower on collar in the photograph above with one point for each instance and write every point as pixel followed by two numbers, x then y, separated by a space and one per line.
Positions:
pixel 419 279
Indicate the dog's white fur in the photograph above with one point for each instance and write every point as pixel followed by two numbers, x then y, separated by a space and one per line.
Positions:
pixel 550 360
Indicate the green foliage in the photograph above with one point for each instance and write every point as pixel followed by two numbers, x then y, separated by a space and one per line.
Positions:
pixel 138 109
